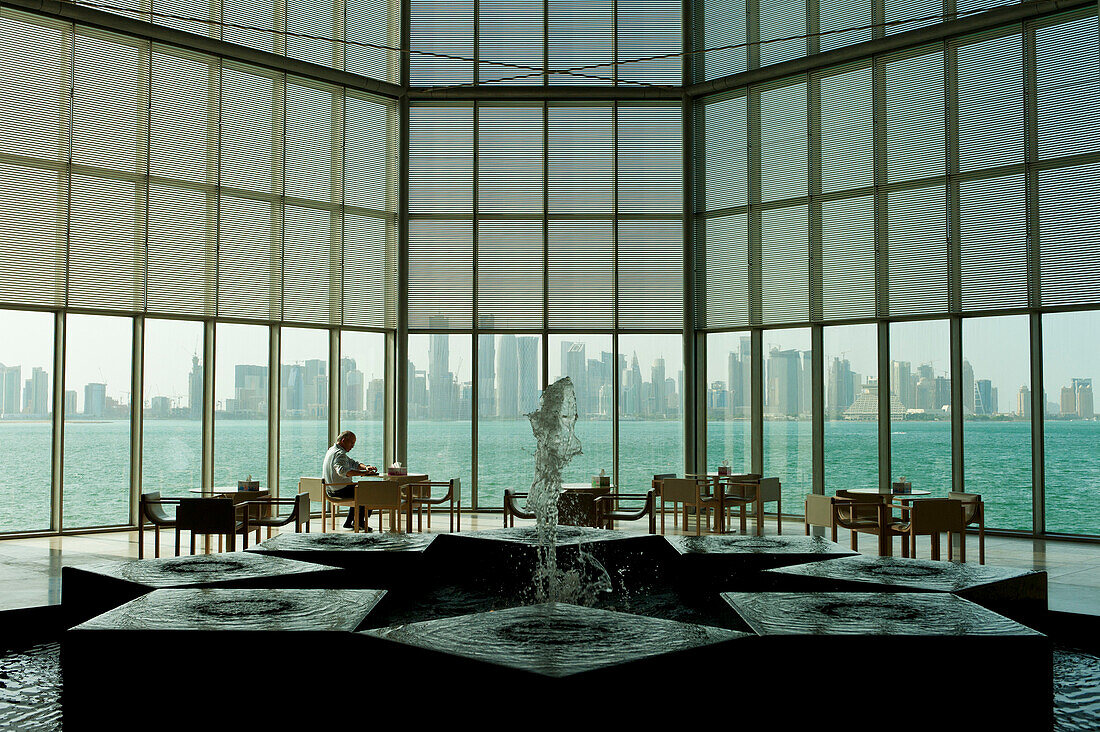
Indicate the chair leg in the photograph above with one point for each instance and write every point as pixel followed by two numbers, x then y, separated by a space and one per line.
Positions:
pixel 778 517
pixel 935 547
pixel 141 540
pixel 156 542
pixel 662 515
pixel 962 547
pixel 177 542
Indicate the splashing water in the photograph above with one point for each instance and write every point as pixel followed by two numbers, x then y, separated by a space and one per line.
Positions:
pixel 553 425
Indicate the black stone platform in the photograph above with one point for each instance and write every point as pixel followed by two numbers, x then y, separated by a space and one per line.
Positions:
pixel 728 561
pixel 91 590
pixel 1018 593
pixel 216 647
pixel 371 560
pixel 510 555
pixel 910 657
pixel 514 657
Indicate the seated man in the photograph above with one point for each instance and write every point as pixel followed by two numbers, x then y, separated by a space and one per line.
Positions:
pixel 338 469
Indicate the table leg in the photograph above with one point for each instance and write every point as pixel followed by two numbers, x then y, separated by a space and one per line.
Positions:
pixel 759 512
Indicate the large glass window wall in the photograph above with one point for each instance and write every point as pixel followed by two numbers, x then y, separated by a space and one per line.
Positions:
pixel 509 379
pixel 729 401
pixel 303 404
pixel 851 406
pixel 172 410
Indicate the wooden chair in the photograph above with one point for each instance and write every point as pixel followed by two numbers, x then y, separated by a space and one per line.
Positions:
pixel 609 510
pixel 655 486
pixel 420 494
pixel 933 516
pixel 973 513
pixel 315 487
pixel 299 514
pixel 692 493
pixel 864 514
pixel 331 503
pixel 204 516
pixel 378 495
pixel 150 508
pixel 512 509
pixel 818 511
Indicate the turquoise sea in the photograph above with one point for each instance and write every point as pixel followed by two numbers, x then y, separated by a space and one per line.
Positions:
pixel 997 458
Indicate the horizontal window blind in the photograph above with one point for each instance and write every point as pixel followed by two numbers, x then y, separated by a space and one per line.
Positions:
pixel 724 167
pixel 370 271
pixel 34 220
pixel 252 128
pixel 784 141
pixel 785 258
pixel 647 28
pixel 581 278
pixel 1068 87
pixel 725 29
pixel 444 27
pixel 510 160
pixel 183 250
pixel 510 32
pixel 650 160
pixel 837 17
pixel 782 30
pixel 1069 217
pixel 726 274
pixel 314 141
pixel 308 23
pixel 651 274
pixel 581 35
pixel 107 243
pixel 510 274
pixel 186 9
pixel 266 16
pixel 441 274
pixel 991 102
pixel 185 98
pixel 993 243
pixel 918 13
pixel 312 265
pixel 847 131
pixel 35 78
pixel 441 155
pixel 914 116
pixel 848 258
pixel 370 153
pixel 250 259
pixel 917 250
pixel 580 174
pixel 377 24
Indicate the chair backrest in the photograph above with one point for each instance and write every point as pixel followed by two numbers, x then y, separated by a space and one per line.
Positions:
pixel 206 515
pixel 864 506
pixel 770 488
pixel 819 510
pixel 380 494
pixel 315 487
pixel 153 511
pixel 934 515
pixel 455 489
pixel 972 504
pixel 679 489
pixel 302 504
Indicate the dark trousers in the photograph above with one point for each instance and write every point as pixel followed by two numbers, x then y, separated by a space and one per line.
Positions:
pixel 348 491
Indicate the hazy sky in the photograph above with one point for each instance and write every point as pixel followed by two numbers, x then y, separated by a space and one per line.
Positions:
pixel 98 350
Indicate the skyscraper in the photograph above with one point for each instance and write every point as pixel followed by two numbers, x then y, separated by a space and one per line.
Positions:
pixel 36 393
pixel 194 388
pixel 983 404
pixel 249 389
pixel 11 378
pixel 784 382
pixel 352 387
pixel 902 383
pixel 95 400
pixel 839 389
pixel 967 389
pixel 487 370
pixel 440 385
pixel 528 347
pixel 657 376
pixel 507 373
pixel 575 365
pixel 1023 403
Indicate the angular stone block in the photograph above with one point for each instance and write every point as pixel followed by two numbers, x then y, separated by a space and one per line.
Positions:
pixel 728 561
pixel 910 656
pixel 541 656
pixel 371 560
pixel 1018 593
pixel 212 646
pixel 91 590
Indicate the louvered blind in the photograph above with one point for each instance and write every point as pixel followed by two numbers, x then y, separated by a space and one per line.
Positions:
pixel 918 13
pixel 184 111
pixel 725 25
pixel 581 274
pixel 917 250
pixel 441 159
pixel 268 17
pixel 188 9
pixel 444 27
pixel 106 243
pixel 510 152
pixel 312 265
pixel 253 108
pixel 724 167
pixel 580 159
pixel 370 271
pixel 370 153
pixel 726 278
pixel 914 116
pixel 1069 217
pixel 991 102
pixel 782 30
pixel 650 158
pixel 250 259
pixel 651 274
pixel 649 28
pixel 848 258
pixel 847 131
pixel 314 141
pixel 1068 87
pixel 309 22
pixel 783 143
pixel 441 273
pixel 510 265
pixel 785 262
pixel 837 17
pixel 581 35
pixel 379 24
pixel 993 243
pixel 34 217
pixel 511 34
pixel 183 246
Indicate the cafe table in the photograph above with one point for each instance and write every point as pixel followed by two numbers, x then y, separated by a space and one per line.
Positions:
pixel 237 496
pixel 401 480
pixel 715 480
pixel 886 543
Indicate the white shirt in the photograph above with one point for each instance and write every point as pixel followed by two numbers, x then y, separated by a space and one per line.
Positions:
pixel 335 466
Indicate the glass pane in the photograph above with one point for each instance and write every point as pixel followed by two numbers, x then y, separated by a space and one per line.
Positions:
pixel 851 407
pixel 587 360
pixel 651 426
pixel 1071 434
pixel 440 394
pixel 303 405
pixel 920 431
pixel 996 426
pixel 509 382
pixel 787 408
pixel 26 413
pixel 97 427
pixel 171 433
pixel 240 403
pixel 729 401
pixel 363 393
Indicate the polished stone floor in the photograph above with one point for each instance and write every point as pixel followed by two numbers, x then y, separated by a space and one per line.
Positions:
pixel 30 569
